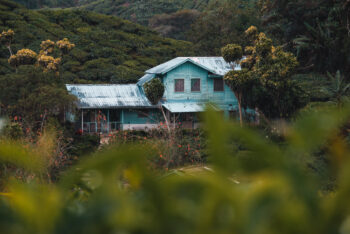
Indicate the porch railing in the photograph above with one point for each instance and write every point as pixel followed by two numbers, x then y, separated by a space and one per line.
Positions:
pixel 95 127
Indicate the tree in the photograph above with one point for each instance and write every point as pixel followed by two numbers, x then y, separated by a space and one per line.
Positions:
pixel 154 91
pixel 265 79
pixel 174 25
pixel 30 95
pixel 29 57
pixel 6 38
pixel 338 88
pixel 33 96
pixel 318 32
pixel 232 53
pixel 222 22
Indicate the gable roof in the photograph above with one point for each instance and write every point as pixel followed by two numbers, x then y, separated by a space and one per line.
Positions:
pixel 215 65
pixel 109 96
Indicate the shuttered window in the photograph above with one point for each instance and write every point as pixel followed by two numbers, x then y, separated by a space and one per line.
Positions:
pixel 195 85
pixel 179 85
pixel 218 85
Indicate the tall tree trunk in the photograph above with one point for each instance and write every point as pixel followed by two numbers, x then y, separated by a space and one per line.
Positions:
pixel 166 119
pixel 239 98
pixel 11 53
pixel 10 50
pixel 42 122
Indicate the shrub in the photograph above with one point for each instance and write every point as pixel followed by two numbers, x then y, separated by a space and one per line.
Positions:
pixel 154 90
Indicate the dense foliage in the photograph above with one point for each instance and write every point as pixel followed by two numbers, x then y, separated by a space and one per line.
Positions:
pixel 138 10
pixel 154 90
pixel 222 22
pixel 317 31
pixel 265 79
pixel 175 25
pixel 184 147
pixel 34 4
pixel 31 96
pixel 108 49
pixel 263 189
pixel 141 11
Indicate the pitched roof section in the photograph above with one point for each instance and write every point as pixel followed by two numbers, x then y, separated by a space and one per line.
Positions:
pixel 145 79
pixel 109 96
pixel 215 65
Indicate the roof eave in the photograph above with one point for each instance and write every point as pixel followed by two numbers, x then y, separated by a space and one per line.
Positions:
pixel 179 64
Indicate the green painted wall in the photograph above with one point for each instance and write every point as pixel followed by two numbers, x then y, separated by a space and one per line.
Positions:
pixel 136 116
pixel 189 71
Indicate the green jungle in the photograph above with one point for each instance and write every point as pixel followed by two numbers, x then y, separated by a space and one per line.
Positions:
pixel 288 172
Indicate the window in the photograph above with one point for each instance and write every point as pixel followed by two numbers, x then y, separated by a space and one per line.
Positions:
pixel 218 85
pixel 179 85
pixel 195 85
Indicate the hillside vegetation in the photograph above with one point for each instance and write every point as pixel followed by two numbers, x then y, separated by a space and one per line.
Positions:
pixel 141 11
pixel 108 49
pixel 210 24
pixel 137 10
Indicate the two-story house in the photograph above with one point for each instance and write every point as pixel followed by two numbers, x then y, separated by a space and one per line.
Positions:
pixel 190 83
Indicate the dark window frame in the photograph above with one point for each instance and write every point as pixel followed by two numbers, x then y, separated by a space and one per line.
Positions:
pixel 200 89
pixel 183 87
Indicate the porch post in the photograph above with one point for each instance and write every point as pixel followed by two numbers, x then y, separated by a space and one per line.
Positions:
pixel 108 121
pixel 82 120
pixel 95 121
pixel 122 120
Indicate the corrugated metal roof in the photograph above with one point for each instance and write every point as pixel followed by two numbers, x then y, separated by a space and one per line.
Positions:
pixel 108 96
pixel 184 107
pixel 145 79
pixel 216 65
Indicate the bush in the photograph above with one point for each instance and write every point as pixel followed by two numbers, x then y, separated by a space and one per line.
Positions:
pixel 13 131
pixel 84 144
pixel 154 90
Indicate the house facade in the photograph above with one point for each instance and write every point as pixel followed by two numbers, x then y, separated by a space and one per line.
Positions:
pixel 190 84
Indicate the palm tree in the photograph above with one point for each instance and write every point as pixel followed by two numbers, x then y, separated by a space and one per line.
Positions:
pixel 339 88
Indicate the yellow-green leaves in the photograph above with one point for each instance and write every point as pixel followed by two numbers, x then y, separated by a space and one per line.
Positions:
pixel 65 46
pixel 38 206
pixel 232 53
pixel 23 57
pixel 6 37
pixel 265 79
pixel 29 57
pixel 11 152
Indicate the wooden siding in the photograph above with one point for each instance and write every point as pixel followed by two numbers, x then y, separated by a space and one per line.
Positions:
pixel 134 116
pixel 188 71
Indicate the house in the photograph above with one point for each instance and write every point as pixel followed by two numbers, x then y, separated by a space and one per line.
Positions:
pixel 190 83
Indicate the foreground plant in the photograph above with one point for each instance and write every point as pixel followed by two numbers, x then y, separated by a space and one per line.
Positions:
pixel 260 188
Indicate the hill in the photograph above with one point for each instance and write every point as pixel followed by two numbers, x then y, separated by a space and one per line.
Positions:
pixel 108 49
pixel 139 11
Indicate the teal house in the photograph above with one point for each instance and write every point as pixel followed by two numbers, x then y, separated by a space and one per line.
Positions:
pixel 190 83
